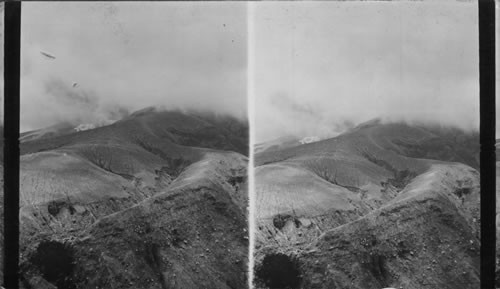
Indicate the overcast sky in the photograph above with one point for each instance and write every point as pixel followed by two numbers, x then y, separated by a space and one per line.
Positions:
pixel 320 65
pixel 130 55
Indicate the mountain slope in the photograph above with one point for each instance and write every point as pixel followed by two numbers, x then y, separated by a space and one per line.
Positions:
pixel 135 191
pixel 121 163
pixel 192 235
pixel 427 236
pixel 311 191
pixel 174 129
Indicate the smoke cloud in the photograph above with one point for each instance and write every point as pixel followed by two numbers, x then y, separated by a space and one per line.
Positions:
pixel 88 61
pixel 321 67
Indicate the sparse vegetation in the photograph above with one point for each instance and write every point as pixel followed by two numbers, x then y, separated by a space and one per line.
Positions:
pixel 401 179
pixel 174 165
pixel 280 221
pixel 54 207
pixel 453 145
pixel 328 171
pixel 191 242
pixel 416 240
pixel 100 155
pixel 379 162
pixel 462 192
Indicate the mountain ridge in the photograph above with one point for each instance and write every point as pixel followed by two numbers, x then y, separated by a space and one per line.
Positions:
pixel 315 201
pixel 82 191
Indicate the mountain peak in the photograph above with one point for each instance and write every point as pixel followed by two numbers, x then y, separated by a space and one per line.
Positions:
pixel 370 123
pixel 144 111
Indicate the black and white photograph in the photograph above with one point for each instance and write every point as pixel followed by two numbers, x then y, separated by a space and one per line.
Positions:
pixel 134 145
pixel 366 144
pixel 248 145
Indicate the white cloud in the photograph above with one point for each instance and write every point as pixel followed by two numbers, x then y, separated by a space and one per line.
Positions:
pixel 131 55
pixel 320 64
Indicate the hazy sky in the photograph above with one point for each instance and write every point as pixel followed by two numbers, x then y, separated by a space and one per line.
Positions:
pixel 131 55
pixel 319 65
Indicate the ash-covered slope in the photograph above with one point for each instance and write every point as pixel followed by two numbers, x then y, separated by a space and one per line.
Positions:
pixel 166 132
pixel 192 235
pixel 427 236
pixel 87 174
pixel 72 184
pixel 415 141
pixel 47 132
pixel 305 191
pixel 351 174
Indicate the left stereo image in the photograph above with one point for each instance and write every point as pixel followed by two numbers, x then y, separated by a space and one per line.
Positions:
pixel 134 145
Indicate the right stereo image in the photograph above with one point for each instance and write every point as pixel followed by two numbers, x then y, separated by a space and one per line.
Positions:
pixel 366 145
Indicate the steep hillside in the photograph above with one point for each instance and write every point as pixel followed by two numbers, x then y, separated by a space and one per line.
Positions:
pixel 159 132
pixel 192 235
pixel 427 236
pixel 91 173
pixel 309 191
pixel 100 190
pixel 48 132
pixel 415 141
